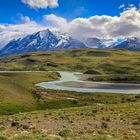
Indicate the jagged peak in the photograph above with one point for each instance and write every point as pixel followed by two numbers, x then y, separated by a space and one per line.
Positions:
pixel 43 40
pixel 132 39
pixel 53 32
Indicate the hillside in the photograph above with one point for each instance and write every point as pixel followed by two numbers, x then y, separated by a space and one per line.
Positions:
pixel 77 116
pixel 101 61
pixel 33 113
pixel 129 44
pixel 18 93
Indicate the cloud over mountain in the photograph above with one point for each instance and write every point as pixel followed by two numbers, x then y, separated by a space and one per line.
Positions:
pixel 56 21
pixel 10 31
pixel 126 25
pixel 41 3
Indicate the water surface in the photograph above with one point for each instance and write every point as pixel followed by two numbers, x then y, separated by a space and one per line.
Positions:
pixel 70 81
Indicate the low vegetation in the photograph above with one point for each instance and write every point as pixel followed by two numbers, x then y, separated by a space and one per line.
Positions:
pixel 100 61
pixel 78 116
pixel 33 113
pixel 18 92
pixel 122 78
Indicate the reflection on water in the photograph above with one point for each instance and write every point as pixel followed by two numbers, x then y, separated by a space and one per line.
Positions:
pixel 100 86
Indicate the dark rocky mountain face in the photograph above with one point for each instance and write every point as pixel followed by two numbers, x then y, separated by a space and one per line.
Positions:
pixel 130 44
pixel 53 40
pixel 43 40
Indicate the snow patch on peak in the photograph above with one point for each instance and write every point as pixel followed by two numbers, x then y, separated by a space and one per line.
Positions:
pixel 43 40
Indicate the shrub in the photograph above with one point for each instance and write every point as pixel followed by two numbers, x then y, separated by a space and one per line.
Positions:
pixel 137 96
pixel 65 133
pixel 136 122
pixel 3 137
pixel 104 125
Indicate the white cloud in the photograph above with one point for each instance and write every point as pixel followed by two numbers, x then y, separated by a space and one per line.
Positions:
pixel 106 27
pixel 122 6
pixel 125 25
pixel 56 21
pixel 9 32
pixel 25 19
pixel 41 3
pixel 22 19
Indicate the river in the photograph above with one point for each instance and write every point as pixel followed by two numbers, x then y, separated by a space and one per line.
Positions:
pixel 70 81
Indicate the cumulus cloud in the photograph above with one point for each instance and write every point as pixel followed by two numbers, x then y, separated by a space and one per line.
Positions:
pixel 127 24
pixel 9 32
pixel 25 19
pixel 56 21
pixel 41 3
pixel 122 6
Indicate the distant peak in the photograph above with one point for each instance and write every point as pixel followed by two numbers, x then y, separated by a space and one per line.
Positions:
pixel 43 40
pixel 133 38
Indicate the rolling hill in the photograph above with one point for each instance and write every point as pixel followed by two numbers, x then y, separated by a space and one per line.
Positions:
pixel 101 61
pixel 29 112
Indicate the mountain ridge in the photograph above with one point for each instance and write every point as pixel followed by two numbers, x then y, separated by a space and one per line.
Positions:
pixel 42 40
pixel 129 44
pixel 53 40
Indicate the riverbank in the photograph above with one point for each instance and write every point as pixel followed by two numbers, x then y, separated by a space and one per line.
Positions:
pixel 101 85
pixel 71 81
pixel 63 114
pixel 116 78
pixel 18 93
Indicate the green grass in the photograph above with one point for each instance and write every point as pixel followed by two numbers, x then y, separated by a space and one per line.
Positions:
pixel 18 93
pixel 117 78
pixel 30 136
pixel 97 121
pixel 102 61
pixel 88 116
pixel 55 115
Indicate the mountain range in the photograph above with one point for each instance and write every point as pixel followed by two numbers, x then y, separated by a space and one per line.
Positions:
pixel 54 40
pixel 130 44
pixel 43 40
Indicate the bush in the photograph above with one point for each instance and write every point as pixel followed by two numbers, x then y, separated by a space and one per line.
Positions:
pixel 3 137
pixel 66 133
pixel 137 122
pixel 104 125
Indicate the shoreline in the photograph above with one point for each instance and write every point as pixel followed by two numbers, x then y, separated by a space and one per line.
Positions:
pixel 71 81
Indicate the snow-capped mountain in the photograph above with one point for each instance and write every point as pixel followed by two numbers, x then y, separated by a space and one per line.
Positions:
pixel 53 40
pixel 43 40
pixel 130 44
pixel 94 43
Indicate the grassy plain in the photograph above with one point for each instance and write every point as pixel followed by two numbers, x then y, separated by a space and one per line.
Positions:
pixel 33 113
pixel 101 61
pixel 77 116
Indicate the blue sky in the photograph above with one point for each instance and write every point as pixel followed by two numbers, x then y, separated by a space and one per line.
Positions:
pixel 104 19
pixel 69 9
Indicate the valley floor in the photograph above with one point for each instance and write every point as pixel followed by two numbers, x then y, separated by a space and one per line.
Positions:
pixel 76 116
pixel 33 113
pixel 99 121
